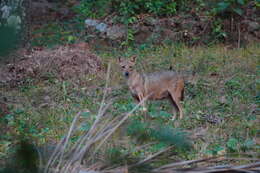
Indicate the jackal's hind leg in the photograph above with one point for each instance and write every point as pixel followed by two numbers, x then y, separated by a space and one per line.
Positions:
pixel 175 98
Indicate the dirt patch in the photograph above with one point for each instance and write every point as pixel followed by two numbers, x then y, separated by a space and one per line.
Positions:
pixel 64 62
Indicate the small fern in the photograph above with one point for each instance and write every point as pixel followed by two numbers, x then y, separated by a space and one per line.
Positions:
pixel 156 132
pixel 171 136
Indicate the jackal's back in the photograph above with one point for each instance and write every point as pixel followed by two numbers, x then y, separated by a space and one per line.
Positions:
pixel 159 84
pixel 161 76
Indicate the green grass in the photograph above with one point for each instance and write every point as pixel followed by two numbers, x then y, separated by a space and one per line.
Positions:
pixel 58 33
pixel 226 87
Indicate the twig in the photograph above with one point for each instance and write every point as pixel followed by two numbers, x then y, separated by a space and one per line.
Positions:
pixel 120 123
pixel 60 146
pixel 251 165
pixel 220 168
pixel 182 163
pixel 151 156
pixel 239 36
pixel 67 139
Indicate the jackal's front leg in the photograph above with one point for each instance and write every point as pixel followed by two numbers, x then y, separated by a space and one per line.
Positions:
pixel 141 99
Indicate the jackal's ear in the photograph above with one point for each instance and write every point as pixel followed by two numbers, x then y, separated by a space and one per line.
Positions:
pixel 133 58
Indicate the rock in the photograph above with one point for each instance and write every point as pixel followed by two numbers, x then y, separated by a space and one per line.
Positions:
pixel 223 100
pixel 5 11
pixel 150 21
pixel 116 32
pixel 41 8
pixel 47 99
pixel 90 22
pixel 253 26
pixel 100 26
pixel 14 21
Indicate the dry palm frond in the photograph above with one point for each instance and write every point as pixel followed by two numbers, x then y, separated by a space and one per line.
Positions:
pixel 65 158
pixel 171 168
pixel 152 156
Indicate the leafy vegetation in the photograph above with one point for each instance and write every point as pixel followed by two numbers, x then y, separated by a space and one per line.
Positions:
pixel 232 7
pixel 222 98
pixel 9 39
pixel 212 17
pixel 226 89
pixel 129 9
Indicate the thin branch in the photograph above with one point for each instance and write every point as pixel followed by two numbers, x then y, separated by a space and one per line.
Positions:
pixel 151 157
pixel 171 165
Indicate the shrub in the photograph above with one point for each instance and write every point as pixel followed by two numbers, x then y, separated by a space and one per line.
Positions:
pixel 229 7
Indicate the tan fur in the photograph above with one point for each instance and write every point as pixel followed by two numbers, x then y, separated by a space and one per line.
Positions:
pixel 155 86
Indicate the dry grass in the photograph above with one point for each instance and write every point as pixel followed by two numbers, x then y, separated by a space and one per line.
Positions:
pixel 220 107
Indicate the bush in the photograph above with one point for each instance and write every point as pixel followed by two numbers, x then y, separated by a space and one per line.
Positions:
pixel 9 39
pixel 155 132
pixel 231 7
pixel 126 8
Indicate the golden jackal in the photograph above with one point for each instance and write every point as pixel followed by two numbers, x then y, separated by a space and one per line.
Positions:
pixel 154 86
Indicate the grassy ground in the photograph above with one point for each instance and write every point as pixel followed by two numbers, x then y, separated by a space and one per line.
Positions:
pixel 221 108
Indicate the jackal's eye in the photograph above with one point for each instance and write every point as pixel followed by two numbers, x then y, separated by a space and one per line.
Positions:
pixel 123 66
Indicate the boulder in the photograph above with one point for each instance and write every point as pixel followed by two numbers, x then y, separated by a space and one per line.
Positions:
pixel 116 32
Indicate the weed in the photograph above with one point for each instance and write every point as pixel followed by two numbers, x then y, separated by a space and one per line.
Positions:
pixel 225 87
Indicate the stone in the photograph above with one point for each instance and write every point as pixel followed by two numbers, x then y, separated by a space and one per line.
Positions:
pixel 100 26
pixel 116 32
pixel 90 22
pixel 253 26
pixel 150 21
pixel 5 11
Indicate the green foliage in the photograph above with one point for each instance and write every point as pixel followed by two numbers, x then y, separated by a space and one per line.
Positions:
pixel 9 39
pixel 93 9
pixel 171 136
pixel 215 150
pixel 235 75
pixel 130 37
pixel 235 88
pixel 24 158
pixel 19 121
pixel 257 3
pixel 115 155
pixel 139 130
pixel 230 6
pixel 164 134
pixel 248 144
pixel 218 32
pixel 54 33
pixel 232 144
pixel 126 9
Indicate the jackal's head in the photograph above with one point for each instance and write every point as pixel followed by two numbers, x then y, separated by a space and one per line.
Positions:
pixel 127 65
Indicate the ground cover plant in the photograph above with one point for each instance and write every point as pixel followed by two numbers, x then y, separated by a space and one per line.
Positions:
pixel 221 113
pixel 65 105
